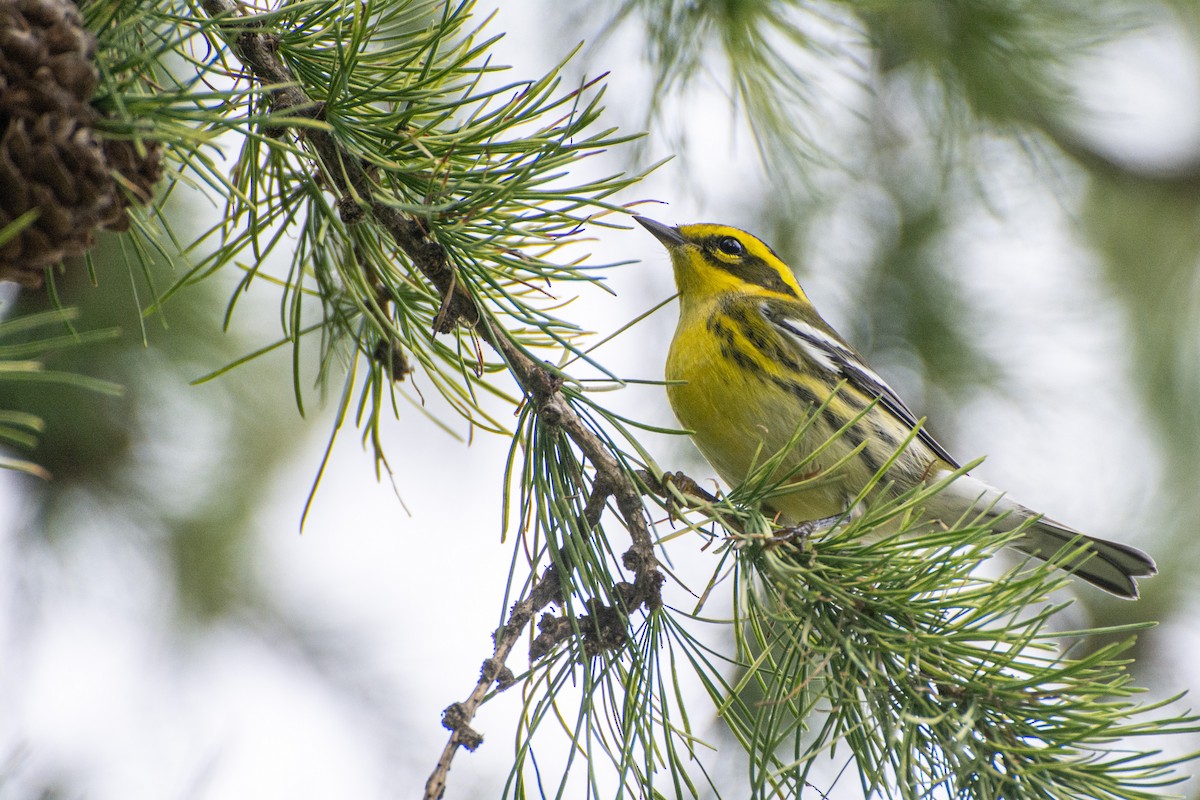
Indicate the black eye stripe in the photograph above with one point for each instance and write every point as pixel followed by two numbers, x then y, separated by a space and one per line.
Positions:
pixel 754 270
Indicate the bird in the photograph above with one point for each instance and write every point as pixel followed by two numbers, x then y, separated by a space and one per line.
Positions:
pixel 751 361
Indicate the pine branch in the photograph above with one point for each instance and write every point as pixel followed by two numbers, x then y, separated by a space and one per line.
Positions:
pixel 403 139
pixel 348 176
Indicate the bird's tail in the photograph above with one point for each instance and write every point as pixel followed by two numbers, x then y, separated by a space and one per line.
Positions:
pixel 1107 565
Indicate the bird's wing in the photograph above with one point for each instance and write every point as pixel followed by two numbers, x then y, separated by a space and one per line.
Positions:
pixel 826 352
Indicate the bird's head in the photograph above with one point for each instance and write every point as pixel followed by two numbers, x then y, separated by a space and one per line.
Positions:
pixel 717 259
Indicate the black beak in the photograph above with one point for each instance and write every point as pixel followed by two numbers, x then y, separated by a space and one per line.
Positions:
pixel 670 237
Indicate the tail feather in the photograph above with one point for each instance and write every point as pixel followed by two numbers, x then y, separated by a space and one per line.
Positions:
pixel 1107 565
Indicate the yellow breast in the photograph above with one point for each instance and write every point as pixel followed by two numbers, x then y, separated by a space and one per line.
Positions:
pixel 740 417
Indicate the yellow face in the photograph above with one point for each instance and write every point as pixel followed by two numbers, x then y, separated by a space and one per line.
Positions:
pixel 713 259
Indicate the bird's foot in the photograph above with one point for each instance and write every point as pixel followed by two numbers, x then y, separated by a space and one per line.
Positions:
pixel 799 534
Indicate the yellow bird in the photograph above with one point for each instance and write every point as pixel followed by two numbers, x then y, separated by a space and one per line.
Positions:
pixel 752 360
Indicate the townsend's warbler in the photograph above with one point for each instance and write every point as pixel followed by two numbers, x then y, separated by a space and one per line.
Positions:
pixel 752 360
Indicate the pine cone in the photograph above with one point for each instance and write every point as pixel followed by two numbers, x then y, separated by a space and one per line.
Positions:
pixel 51 158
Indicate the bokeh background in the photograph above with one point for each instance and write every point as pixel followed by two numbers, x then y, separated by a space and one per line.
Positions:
pixel 1019 259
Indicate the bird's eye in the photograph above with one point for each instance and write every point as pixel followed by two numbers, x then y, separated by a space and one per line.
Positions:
pixel 731 246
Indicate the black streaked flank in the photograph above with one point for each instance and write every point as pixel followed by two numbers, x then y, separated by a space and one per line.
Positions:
pixel 761 336
pixel 802 392
pixel 717 327
pixel 869 460
pixel 856 400
pixel 834 420
pixel 854 435
pixel 884 434
pixel 745 361
pixel 756 334
pixel 851 367
pixel 727 341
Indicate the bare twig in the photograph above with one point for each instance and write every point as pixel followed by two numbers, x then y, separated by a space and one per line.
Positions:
pixel 458 716
pixel 347 176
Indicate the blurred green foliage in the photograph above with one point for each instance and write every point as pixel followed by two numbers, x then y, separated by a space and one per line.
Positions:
pixel 184 468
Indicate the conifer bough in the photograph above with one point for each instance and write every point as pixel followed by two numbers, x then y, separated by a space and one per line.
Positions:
pixel 347 175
